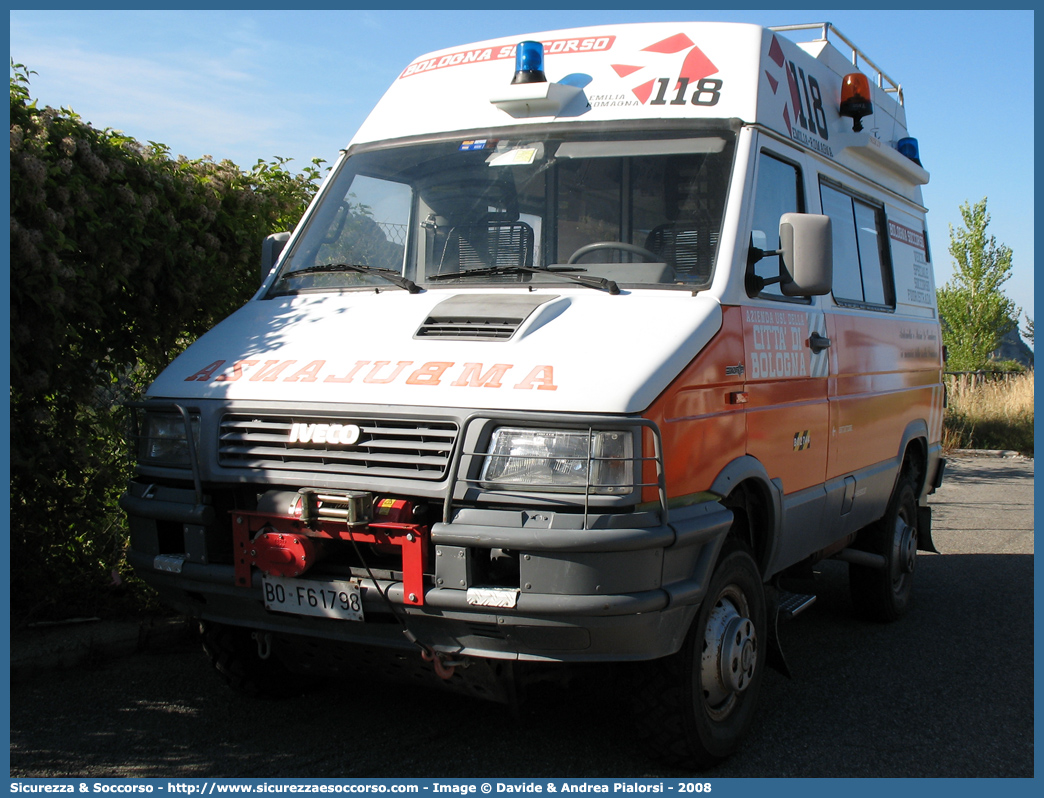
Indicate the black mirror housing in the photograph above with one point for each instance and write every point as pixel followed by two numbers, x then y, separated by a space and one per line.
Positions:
pixel 271 248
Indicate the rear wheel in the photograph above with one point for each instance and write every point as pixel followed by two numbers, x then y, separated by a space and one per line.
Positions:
pixel 695 706
pixel 883 594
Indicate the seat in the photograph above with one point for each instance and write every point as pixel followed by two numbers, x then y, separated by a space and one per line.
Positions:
pixel 490 244
pixel 690 250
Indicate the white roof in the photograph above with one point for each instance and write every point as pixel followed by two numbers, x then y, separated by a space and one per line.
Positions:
pixel 690 70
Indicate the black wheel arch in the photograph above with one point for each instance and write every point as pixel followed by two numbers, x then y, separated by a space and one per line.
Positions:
pixel 912 455
pixel 757 504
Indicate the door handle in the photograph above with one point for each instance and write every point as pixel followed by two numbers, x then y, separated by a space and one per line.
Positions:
pixel 817 343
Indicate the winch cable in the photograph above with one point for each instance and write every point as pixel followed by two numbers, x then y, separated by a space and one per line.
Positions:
pixel 443 669
pixel 426 650
pixel 310 517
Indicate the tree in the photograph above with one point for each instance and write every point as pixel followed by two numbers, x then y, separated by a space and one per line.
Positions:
pixel 1027 331
pixel 975 313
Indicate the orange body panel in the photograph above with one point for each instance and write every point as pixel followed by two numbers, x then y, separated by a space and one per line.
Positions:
pixel 805 417
pixel 885 373
pixel 787 415
pixel 701 426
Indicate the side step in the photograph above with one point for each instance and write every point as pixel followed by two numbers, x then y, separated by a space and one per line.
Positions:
pixel 793 604
pixel 787 606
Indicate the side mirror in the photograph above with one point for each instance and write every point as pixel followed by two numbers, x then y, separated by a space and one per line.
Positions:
pixel 271 248
pixel 806 246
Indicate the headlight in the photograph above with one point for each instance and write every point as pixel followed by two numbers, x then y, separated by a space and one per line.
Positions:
pixel 163 439
pixel 561 460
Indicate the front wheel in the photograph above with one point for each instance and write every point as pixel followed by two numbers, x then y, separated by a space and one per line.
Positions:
pixel 883 594
pixel 695 706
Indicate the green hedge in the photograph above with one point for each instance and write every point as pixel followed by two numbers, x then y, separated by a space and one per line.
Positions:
pixel 120 256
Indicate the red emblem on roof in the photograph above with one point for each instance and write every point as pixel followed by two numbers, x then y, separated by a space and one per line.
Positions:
pixel 695 66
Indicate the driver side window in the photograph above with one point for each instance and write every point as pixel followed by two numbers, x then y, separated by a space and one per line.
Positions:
pixel 778 191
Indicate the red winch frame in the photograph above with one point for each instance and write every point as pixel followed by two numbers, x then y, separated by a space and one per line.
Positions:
pixel 411 538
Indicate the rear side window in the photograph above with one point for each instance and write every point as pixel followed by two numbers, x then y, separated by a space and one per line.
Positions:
pixel 862 268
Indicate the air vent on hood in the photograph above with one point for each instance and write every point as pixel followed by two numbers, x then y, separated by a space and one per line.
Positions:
pixel 482 317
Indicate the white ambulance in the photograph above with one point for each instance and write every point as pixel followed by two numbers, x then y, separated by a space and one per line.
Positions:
pixel 591 344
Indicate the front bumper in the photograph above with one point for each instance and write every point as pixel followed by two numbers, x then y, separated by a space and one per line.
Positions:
pixel 591 587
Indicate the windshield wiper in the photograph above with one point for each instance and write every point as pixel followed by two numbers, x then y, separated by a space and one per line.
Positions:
pixel 334 268
pixel 588 280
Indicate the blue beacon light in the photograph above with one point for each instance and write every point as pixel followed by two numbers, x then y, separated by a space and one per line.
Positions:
pixel 908 147
pixel 529 63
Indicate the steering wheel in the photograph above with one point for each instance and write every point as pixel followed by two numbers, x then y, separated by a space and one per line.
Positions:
pixel 634 249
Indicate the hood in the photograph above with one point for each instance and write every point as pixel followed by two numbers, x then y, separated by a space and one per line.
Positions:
pixel 570 350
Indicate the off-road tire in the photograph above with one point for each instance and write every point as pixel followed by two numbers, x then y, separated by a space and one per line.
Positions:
pixel 883 594
pixel 676 723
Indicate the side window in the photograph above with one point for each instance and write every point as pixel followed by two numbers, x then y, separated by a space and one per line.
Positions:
pixel 862 271
pixel 778 192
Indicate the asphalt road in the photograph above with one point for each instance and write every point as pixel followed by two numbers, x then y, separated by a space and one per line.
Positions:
pixel 946 692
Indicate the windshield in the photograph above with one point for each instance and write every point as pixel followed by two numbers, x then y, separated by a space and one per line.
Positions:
pixel 614 209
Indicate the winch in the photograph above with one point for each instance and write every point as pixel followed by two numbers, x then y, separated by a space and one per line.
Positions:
pixel 290 543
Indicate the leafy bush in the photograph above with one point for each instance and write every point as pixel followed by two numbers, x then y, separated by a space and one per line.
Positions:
pixel 120 256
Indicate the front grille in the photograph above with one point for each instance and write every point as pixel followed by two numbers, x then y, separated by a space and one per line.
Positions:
pixel 416 449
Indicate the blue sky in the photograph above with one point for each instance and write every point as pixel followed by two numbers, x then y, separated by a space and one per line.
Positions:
pixel 246 85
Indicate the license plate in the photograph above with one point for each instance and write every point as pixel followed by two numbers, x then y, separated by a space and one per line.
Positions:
pixel 311 597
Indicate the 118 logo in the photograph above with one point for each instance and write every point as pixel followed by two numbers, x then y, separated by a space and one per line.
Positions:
pixel 707 91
